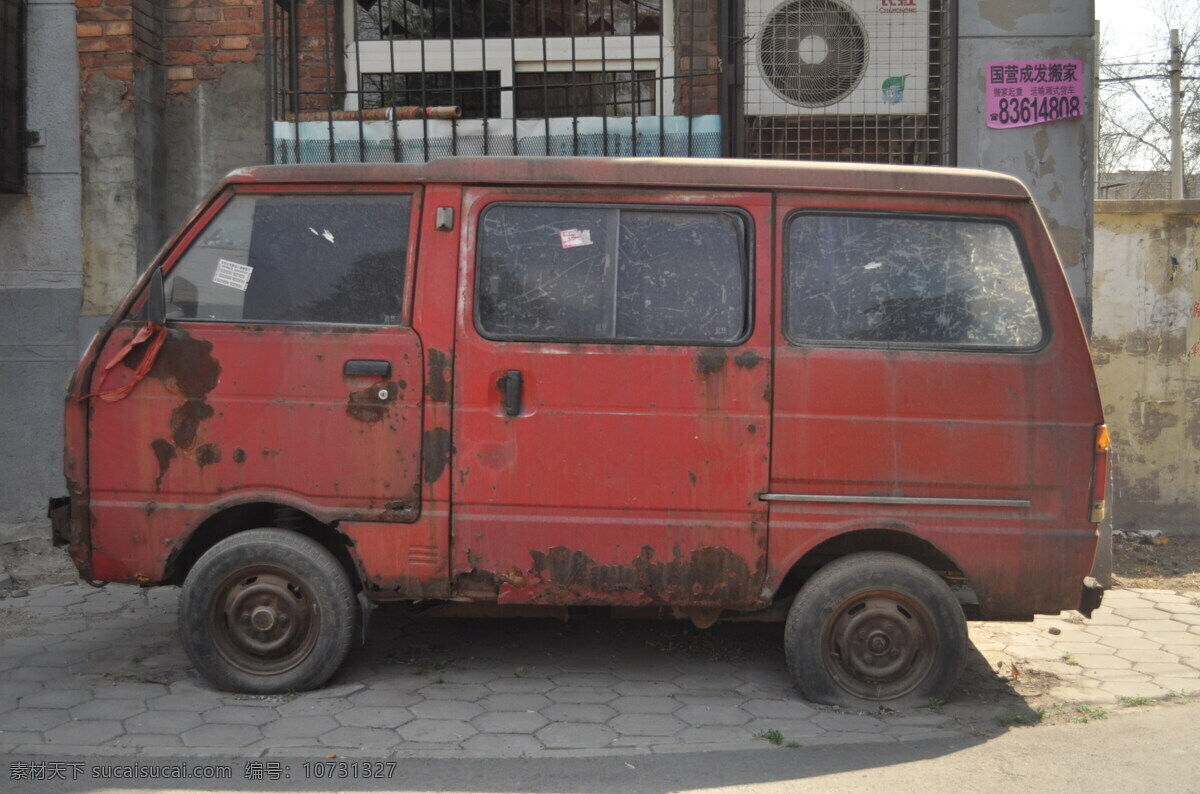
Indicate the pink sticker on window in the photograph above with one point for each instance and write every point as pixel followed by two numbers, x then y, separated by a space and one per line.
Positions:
pixel 574 238
pixel 1021 93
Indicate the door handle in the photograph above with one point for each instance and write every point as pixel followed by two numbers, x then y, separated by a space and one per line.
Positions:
pixel 510 392
pixel 368 368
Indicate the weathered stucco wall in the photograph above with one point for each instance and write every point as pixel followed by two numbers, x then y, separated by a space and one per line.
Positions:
pixel 1146 346
pixel 1054 160
pixel 40 271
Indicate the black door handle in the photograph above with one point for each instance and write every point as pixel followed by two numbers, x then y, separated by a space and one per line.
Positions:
pixel 368 368
pixel 510 392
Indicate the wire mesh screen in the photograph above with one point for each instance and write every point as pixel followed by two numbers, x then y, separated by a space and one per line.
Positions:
pixel 413 80
pixel 846 80
pixel 12 95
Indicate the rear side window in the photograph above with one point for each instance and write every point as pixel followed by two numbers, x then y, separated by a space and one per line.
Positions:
pixel 907 281
pixel 296 259
pixel 607 274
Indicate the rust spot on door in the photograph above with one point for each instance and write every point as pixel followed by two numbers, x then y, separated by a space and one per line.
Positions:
pixel 437 382
pixel 435 451
pixel 747 359
pixel 239 455
pixel 208 454
pixel 165 452
pixel 708 575
pixel 710 361
pixel 189 363
pixel 372 403
pixel 186 419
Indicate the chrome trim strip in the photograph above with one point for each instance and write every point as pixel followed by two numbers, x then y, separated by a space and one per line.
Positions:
pixel 894 500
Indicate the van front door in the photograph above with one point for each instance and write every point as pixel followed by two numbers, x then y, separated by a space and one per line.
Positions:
pixel 611 398
pixel 289 380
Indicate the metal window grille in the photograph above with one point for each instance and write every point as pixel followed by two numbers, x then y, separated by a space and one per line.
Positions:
pixel 413 80
pixel 12 95
pixel 847 80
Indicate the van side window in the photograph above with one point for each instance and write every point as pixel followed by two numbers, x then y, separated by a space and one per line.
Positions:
pixel 296 259
pixel 607 274
pixel 941 281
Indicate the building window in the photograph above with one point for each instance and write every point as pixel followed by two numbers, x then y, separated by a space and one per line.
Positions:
pixel 541 58
pixel 12 95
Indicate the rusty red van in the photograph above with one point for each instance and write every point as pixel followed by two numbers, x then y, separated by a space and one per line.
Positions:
pixel 859 399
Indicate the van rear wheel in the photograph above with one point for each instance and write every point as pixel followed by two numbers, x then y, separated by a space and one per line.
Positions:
pixel 875 629
pixel 267 611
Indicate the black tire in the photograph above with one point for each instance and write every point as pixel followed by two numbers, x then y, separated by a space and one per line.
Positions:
pixel 267 611
pixel 875 629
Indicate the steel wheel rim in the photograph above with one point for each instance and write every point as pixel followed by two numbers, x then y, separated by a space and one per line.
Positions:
pixel 879 645
pixel 264 620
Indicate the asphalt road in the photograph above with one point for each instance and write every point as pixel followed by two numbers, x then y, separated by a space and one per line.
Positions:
pixel 1154 749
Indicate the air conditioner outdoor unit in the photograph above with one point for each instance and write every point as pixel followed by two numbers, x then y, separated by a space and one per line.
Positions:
pixel 837 57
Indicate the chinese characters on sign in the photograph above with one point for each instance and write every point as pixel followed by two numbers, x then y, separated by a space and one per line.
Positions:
pixel 1020 93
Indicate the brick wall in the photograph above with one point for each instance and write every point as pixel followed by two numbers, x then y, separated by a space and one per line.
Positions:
pixel 697 54
pixel 114 37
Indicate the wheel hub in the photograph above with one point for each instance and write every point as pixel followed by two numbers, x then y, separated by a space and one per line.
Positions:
pixel 264 621
pixel 879 645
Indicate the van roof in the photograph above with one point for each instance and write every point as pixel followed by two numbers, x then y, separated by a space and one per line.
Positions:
pixel 657 172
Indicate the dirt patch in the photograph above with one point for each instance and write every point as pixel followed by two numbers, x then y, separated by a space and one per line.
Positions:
pixel 1174 565
pixel 28 558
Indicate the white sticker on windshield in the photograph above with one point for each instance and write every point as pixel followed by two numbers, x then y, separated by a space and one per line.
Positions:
pixel 574 238
pixel 231 274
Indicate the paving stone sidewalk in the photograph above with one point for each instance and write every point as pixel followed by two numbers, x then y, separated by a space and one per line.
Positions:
pixel 92 672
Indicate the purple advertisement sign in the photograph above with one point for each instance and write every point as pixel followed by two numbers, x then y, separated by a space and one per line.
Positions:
pixel 1020 93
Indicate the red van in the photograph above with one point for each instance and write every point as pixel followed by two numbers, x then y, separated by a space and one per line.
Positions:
pixel 858 398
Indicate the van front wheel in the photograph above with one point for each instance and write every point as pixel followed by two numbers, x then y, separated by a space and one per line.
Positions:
pixel 875 629
pixel 267 611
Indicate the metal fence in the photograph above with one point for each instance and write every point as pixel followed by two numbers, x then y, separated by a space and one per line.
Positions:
pixel 413 80
pixel 12 95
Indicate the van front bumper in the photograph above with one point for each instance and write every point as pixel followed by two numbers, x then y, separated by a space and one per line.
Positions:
pixel 1093 594
pixel 59 513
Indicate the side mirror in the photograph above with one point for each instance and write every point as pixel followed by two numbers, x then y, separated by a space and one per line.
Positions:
pixel 156 301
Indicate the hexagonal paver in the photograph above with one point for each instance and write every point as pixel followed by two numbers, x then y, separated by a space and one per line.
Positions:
pixel 23 719
pixel 1129 643
pixel 370 717
pixel 714 734
pixel 467 676
pixel 578 712
pixel 300 727
pixel 704 681
pixel 108 709
pixel 833 721
pixel 384 698
pixel 796 729
pixel 1167 669
pixel 129 689
pixel 581 694
pixel 1095 661
pixel 646 725
pixel 1149 626
pixel 644 704
pixel 84 732
pixel 446 710
pixel 467 692
pixel 661 688
pixel 241 715
pixel 575 735
pixel 712 715
pixel 441 731
pixel 221 736
pixel 502 744
pixel 171 722
pixel 780 709
pixel 509 722
pixel 1141 655
pixel 520 685
pixel 198 701
pixel 306 707
pixel 604 680
pixel 1174 638
pixel 515 702
pixel 365 738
